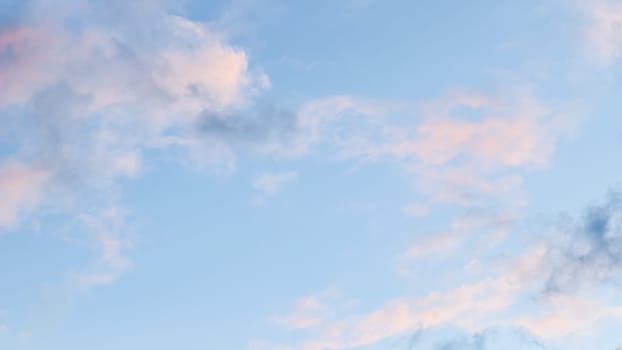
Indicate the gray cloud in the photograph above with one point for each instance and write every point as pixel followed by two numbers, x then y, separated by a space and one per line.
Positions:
pixel 491 339
pixel 441 338
pixel 593 251
pixel 264 124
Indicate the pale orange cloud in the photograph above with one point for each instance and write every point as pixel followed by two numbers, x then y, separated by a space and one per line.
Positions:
pixel 562 315
pixel 34 59
pixel 465 147
pixel 313 311
pixel 472 306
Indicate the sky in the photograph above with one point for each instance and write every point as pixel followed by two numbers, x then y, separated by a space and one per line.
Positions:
pixel 310 175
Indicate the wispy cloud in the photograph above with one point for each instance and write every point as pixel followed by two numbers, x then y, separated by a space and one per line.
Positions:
pixel 509 298
pixel 603 32
pixel 471 306
pixel 315 310
pixel 489 226
pixel 271 183
pixel 467 147
pixel 111 243
pixel 558 316
pixel 487 339
pixel 21 188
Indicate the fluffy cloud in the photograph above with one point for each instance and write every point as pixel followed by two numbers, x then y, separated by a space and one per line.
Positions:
pixel 87 88
pixel 84 99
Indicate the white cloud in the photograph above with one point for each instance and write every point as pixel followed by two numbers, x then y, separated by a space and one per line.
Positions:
pixel 111 263
pixel 271 183
pixel 319 120
pixel 604 30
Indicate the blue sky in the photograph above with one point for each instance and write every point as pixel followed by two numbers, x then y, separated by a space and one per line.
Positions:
pixel 297 175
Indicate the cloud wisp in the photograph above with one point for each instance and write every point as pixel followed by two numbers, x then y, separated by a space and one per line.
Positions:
pixel 603 32
pixel 271 183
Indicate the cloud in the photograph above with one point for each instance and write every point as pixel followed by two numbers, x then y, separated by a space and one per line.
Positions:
pixel 271 183
pixel 490 227
pixel 590 251
pixel 21 188
pixel 88 97
pixel 434 244
pixel 558 316
pixel 472 148
pixel 467 147
pixel 466 306
pixel 87 88
pixel 262 127
pixel 492 130
pixel 305 314
pixel 314 310
pixel 579 259
pixel 507 297
pixel 266 128
pixel 491 339
pixel 604 30
pixel 106 229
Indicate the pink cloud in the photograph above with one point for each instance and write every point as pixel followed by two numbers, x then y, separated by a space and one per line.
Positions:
pixel 21 187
